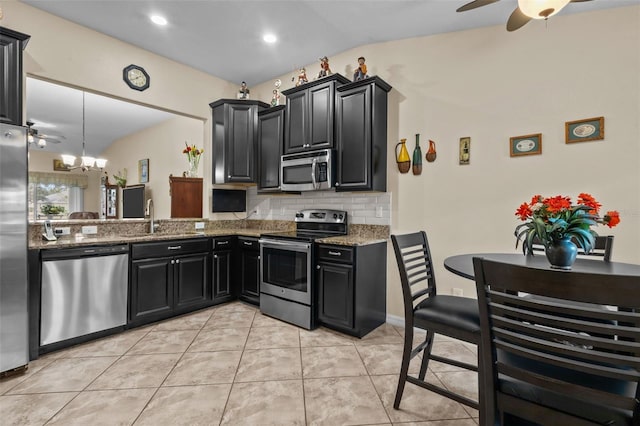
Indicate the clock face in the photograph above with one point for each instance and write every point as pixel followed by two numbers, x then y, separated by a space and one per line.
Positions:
pixel 136 77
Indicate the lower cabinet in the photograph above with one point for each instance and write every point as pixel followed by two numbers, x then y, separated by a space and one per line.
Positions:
pixel 168 278
pixel 249 269
pixel 352 287
pixel 223 284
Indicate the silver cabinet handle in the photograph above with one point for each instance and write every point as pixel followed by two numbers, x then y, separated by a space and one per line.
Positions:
pixel 173 262
pixel 174 247
pixel 222 243
pixel 247 243
pixel 317 266
pixel 215 256
pixel 335 253
pixel 258 257
pixel 177 260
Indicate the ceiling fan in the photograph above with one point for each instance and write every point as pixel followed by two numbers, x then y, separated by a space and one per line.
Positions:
pixel 40 139
pixel 526 10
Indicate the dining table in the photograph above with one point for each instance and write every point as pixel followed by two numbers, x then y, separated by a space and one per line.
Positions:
pixel 462 264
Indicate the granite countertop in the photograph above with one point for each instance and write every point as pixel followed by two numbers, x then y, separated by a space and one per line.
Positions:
pixel 350 240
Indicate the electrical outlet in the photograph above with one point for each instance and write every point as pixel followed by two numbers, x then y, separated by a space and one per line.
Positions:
pixel 457 292
pixel 379 211
pixel 199 225
pixel 281 211
pixel 89 230
pixel 62 231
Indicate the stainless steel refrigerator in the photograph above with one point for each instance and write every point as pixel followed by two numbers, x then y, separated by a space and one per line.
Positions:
pixel 13 248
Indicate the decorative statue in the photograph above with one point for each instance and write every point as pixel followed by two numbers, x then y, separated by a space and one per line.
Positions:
pixel 275 99
pixel 243 93
pixel 302 77
pixel 324 67
pixel 361 71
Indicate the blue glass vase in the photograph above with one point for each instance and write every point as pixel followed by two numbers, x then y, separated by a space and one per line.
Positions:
pixel 561 253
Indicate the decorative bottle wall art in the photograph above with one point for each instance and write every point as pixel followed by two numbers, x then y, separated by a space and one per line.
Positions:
pixel 465 150
pixel 417 157
pixel 431 154
pixel 402 158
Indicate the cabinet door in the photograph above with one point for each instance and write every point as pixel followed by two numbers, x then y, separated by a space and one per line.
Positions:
pixel 320 117
pixel 353 139
pixel 241 138
pixel 336 296
pixel 250 275
pixel 191 280
pixel 11 45
pixel 296 135
pixel 270 144
pixel 151 289
pixel 222 274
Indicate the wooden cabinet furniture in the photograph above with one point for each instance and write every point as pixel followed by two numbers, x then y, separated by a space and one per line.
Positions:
pixel 352 287
pixel 11 45
pixel 109 201
pixel 310 115
pixel 186 196
pixel 223 274
pixel 168 278
pixel 234 137
pixel 249 269
pixel 271 124
pixel 361 135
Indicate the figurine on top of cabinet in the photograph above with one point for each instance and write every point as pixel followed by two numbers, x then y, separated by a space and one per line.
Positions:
pixel 275 99
pixel 361 71
pixel 302 77
pixel 324 67
pixel 243 93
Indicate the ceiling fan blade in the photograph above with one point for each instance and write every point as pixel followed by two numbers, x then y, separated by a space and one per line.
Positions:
pixel 578 1
pixel 517 20
pixel 475 4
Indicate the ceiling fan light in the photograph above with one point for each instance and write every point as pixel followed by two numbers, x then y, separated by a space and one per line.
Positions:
pixel 68 160
pixel 30 138
pixel 42 143
pixel 88 161
pixel 541 9
pixel 101 163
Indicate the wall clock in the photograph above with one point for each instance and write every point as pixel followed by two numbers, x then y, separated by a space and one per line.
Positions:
pixel 136 77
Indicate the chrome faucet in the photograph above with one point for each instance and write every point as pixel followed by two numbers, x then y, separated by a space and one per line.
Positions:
pixel 150 212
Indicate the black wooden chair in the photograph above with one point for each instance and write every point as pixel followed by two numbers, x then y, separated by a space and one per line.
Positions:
pixel 548 361
pixel 602 248
pixel 451 316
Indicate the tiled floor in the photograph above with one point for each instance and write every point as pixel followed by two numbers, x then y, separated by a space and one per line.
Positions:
pixel 231 365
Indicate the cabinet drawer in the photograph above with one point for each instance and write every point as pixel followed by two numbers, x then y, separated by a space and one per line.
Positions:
pixel 169 248
pixel 248 243
pixel 223 243
pixel 335 254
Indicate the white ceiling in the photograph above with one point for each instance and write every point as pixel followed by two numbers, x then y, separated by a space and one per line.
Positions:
pixel 224 37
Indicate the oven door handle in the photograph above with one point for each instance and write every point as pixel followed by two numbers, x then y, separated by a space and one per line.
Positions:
pixel 288 244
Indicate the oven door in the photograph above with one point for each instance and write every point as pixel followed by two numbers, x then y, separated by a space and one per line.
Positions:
pixel 285 269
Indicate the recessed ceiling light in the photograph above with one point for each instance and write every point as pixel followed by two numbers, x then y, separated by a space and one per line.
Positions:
pixel 270 38
pixel 158 20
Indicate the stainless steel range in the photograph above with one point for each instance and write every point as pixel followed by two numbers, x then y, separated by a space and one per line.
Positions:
pixel 287 290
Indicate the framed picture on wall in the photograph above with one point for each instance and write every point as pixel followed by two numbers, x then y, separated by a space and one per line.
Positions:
pixel 59 166
pixel 525 145
pixel 589 129
pixel 143 170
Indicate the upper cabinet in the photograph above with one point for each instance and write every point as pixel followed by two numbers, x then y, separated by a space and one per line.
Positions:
pixel 235 135
pixel 270 143
pixel 11 45
pixel 310 114
pixel 361 135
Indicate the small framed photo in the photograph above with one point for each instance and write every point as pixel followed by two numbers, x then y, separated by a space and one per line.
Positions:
pixel 143 170
pixel 59 166
pixel 525 145
pixel 590 129
pixel 465 150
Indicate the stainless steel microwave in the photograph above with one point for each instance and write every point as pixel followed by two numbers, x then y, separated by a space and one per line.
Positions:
pixel 307 171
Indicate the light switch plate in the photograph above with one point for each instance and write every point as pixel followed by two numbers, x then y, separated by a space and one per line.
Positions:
pixel 89 230
pixel 199 225
pixel 62 231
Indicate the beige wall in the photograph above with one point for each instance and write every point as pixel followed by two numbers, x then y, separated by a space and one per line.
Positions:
pixel 486 83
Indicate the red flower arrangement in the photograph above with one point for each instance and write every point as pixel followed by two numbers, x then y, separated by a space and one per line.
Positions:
pixel 553 218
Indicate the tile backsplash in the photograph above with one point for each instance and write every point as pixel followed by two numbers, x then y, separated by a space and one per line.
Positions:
pixel 371 208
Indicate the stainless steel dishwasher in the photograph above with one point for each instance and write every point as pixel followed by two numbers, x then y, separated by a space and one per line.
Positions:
pixel 84 290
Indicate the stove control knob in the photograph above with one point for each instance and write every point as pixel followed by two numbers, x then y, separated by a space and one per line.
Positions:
pixel 340 217
pixel 299 215
pixel 335 216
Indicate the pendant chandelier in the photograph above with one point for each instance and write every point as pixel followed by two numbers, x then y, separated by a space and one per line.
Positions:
pixel 86 162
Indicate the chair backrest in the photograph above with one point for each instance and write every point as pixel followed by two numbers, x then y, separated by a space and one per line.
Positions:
pixel 416 270
pixel 602 247
pixel 579 355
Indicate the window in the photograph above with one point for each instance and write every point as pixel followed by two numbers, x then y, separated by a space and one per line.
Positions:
pixel 55 195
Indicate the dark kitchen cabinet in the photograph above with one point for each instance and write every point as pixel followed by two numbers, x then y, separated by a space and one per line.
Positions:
pixel 310 115
pixel 249 270
pixel 223 288
pixel 361 135
pixel 352 287
pixel 12 43
pixel 234 139
pixel 168 278
pixel 271 124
